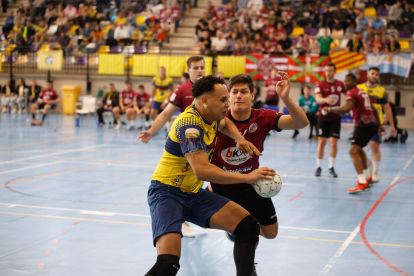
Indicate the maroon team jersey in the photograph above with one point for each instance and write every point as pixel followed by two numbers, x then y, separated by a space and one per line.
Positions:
pixel 182 96
pixel 48 95
pixel 272 94
pixel 330 90
pixel 228 157
pixel 142 99
pixel 127 97
pixel 362 112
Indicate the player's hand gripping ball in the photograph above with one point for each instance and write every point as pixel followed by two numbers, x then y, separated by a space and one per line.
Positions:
pixel 268 188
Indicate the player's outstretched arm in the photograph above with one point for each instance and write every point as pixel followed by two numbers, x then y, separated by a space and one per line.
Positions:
pixel 340 110
pixel 159 122
pixel 206 171
pixel 228 128
pixel 297 118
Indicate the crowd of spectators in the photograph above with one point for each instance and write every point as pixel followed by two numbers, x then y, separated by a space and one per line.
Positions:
pixel 267 25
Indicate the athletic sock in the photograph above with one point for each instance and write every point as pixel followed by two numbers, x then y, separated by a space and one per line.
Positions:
pixel 243 254
pixel 147 118
pixel 366 173
pixel 131 122
pixel 146 123
pixel 44 116
pixel 34 116
pixel 362 179
pixel 375 166
pixel 331 162
pixel 118 122
pixel 319 163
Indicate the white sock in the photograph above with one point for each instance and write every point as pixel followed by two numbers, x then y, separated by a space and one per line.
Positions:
pixel 331 162
pixel 146 123
pixel 366 173
pixel 319 163
pixel 362 179
pixel 375 166
pixel 131 122
pixel 118 122
pixel 152 122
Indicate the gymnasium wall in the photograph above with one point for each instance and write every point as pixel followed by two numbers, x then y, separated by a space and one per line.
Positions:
pixel 407 93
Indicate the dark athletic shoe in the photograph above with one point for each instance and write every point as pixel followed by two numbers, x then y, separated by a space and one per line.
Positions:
pixel 318 171
pixel 296 133
pixel 254 270
pixel 332 172
pixel 230 236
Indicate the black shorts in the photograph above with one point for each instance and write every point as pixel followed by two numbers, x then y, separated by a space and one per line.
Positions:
pixel 42 105
pixel 363 134
pixel 329 127
pixel 259 207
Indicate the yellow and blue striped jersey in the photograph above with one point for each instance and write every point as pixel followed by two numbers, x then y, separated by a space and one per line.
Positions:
pixel 161 87
pixel 378 96
pixel 189 133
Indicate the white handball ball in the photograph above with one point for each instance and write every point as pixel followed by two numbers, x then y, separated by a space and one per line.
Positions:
pixel 268 188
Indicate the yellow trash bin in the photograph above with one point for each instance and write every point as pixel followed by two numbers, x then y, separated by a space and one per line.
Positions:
pixel 70 95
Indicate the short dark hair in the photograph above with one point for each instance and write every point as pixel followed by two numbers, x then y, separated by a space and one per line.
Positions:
pixel 50 81
pixel 307 86
pixel 162 67
pixel 242 78
pixel 186 76
pixel 374 68
pixel 141 86
pixel 205 85
pixel 127 81
pixel 193 59
pixel 330 64
pixel 352 76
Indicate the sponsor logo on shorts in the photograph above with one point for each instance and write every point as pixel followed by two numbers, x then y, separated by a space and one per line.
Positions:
pixel 273 216
pixel 335 134
pixel 234 156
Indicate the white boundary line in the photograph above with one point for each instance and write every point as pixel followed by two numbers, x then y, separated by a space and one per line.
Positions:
pixel 338 253
pixel 32 167
pixel 52 154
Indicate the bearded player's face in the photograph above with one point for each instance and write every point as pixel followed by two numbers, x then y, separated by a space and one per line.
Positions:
pixel 241 97
pixel 373 76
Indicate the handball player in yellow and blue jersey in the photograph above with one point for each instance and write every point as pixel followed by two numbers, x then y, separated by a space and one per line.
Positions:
pixel 175 196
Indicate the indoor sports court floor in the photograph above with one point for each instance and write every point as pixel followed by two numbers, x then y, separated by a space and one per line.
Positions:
pixel 73 202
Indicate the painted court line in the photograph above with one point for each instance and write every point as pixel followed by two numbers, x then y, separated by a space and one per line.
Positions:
pixel 200 229
pixel 33 167
pixel 41 266
pixel 71 170
pixel 295 197
pixel 52 154
pixel 338 253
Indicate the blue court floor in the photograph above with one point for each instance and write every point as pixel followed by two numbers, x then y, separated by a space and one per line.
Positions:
pixel 73 202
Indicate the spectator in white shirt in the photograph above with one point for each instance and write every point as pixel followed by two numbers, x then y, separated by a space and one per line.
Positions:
pixel 254 6
pixel 219 42
pixel 257 23
pixel 394 15
pixel 122 34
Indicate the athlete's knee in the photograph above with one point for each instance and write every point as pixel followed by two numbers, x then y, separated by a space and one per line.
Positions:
pixel 354 150
pixel 270 232
pixel 375 147
pixel 322 141
pixel 247 230
pixel 166 265
pixel 334 142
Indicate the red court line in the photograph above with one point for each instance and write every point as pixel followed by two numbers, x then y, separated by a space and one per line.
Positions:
pixel 364 221
pixel 71 170
pixel 97 182
pixel 76 223
pixel 116 204
pixel 41 266
pixel 47 252
pixel 64 232
pixel 103 209
pixel 55 241
pixel 295 197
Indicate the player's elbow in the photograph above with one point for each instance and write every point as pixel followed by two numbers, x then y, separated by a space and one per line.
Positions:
pixel 200 174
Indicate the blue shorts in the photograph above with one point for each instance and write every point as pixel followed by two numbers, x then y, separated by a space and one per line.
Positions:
pixel 377 139
pixel 170 207
pixel 156 105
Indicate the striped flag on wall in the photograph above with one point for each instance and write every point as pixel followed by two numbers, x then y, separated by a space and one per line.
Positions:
pixel 345 61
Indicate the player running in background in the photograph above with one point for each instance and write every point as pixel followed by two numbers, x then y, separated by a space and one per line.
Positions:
pixel 161 93
pixel 308 103
pixel 328 94
pixel 254 125
pixel 367 125
pixel 175 195
pixel 126 105
pixel 379 99
pixel 179 101
pixel 142 104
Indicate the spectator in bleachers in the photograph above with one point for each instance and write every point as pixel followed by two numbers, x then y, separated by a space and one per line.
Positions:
pixel 86 34
pixel 29 32
pixel 4 4
pixel 40 9
pixel 393 47
pixel 202 24
pixel 204 42
pixel 229 12
pixel 219 43
pixel 122 34
pixel 272 39
pixel 244 20
pixel 111 10
pixel 256 23
pixel 254 6
pixel 41 32
pixel 21 92
pixel 276 9
pixel 142 105
pixel 267 28
pixel 286 22
pixel 109 101
pixel 355 44
pixel 285 45
pixel 211 10
pixel 120 18
pixel 264 11
pixel 351 17
pixel 227 30
pixel 394 15
pixel 377 46
pixel 377 25
pixel 125 5
pixel 131 19
pixel 20 9
pixel 176 13
pixel 161 37
pixel 47 99
pixel 362 25
pixel 70 12
pixel 303 44
pixel 34 92
pixel 185 6
pixel 325 43
pixel 65 42
pixel 238 51
pixel 267 47
pixel 167 23
pixel 11 37
pixel 9 24
pixel 339 16
pixel 50 14
pixel 272 98
pixel 233 41
pixel 21 44
pixel 30 10
pixel 258 42
pixel 136 36
pixel 19 18
pixel 97 36
pixel 407 17
pixel 17 27
pixel 327 18
pixel 219 20
pixel 245 42
pixel 8 97
pixel 62 22
pixel 110 39
pixel 83 19
pixel 279 30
